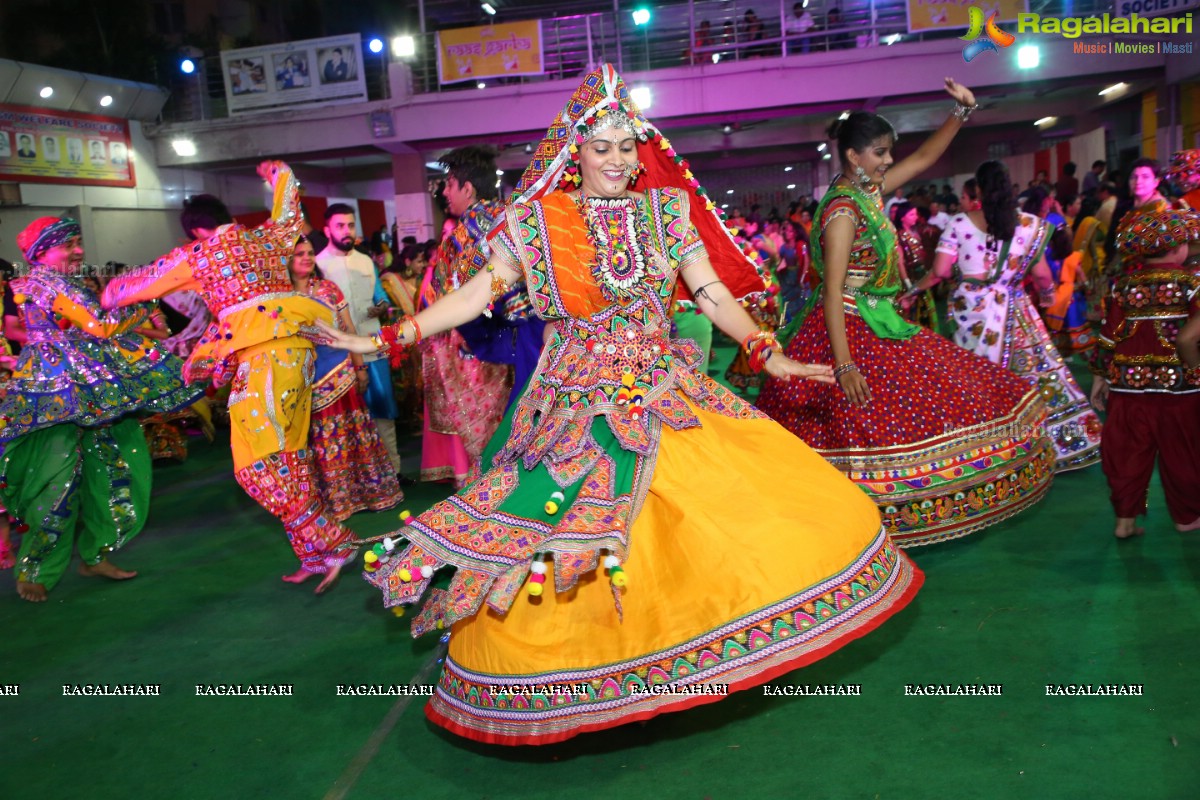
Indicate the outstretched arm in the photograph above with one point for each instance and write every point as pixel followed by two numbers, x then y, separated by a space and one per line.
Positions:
pixel 454 309
pixel 719 305
pixel 171 273
pixel 933 147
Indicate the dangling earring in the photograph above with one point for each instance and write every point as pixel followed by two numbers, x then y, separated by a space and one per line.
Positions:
pixel 861 175
pixel 635 172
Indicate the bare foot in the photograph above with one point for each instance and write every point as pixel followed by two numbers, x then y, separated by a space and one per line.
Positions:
pixel 1127 528
pixel 33 592
pixel 107 569
pixel 329 580
pixel 1191 526
pixel 299 576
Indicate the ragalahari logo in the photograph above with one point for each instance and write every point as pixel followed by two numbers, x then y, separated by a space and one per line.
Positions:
pixel 993 40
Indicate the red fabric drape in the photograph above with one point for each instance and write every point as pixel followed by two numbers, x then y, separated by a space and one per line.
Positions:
pixel 371 217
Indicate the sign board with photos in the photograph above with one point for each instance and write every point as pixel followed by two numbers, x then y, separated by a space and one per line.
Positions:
pixel 38 145
pixel 325 71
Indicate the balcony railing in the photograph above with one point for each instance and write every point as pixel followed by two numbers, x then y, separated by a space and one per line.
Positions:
pixel 675 36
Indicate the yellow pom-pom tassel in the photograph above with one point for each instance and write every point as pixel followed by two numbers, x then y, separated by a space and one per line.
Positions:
pixel 535 589
pixel 617 575
pixel 404 575
pixel 370 557
pixel 398 611
pixel 405 515
pixel 551 507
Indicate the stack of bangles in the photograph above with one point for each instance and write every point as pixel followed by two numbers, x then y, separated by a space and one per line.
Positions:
pixel 391 335
pixel 844 369
pixel 759 346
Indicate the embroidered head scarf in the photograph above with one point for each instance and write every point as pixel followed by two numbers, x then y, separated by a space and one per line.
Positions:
pixel 44 233
pixel 1154 233
pixel 603 101
pixel 1185 169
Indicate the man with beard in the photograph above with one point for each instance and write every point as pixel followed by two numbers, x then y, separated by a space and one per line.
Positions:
pixel 354 273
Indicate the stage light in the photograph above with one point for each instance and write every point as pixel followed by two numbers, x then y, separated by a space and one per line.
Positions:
pixel 106 101
pixel 481 85
pixel 404 46
pixel 187 66
pixel 46 92
pixel 1045 122
pixel 184 147
pixel 488 9
pixel 844 115
pixel 1116 87
pixel 375 45
pixel 528 148
pixel 791 186
pixel 729 191
pixel 821 147
pixel 716 58
pixel 641 16
pixel 889 40
pixel 641 95
pixel 826 157
pixel 1028 56
pixel 787 169
pixel 499 172
pixel 728 129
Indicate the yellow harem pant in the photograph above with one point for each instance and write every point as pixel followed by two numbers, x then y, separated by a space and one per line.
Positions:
pixel 270 405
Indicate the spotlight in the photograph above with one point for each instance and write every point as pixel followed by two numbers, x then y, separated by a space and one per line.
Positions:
pixel 404 46
pixel 1116 87
pixel 1028 56
pixel 375 45
pixel 488 9
pixel 641 96
pixel 729 191
pixel 844 115
pixel 826 157
pixel 641 16
pixel 481 85
pixel 821 147
pixel 500 172
pixel 184 147
pixel 716 58
pixel 724 205
pixel 187 66
pixel 1045 122
pixel 791 186
pixel 46 92
pixel 106 101
pixel 895 37
pixel 787 169
pixel 728 129
pixel 528 148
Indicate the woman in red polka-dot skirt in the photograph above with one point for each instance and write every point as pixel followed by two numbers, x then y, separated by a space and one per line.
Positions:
pixel 944 441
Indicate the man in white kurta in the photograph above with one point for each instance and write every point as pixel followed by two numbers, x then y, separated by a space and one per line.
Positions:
pixel 354 273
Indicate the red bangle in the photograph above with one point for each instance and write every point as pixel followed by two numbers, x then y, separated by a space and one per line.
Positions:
pixel 389 334
pixel 416 328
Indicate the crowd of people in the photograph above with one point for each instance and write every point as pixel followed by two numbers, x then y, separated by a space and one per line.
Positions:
pixel 553 350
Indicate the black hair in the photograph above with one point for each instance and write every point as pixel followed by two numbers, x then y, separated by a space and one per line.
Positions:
pixel 971 188
pixel 337 208
pixel 1087 208
pixel 1034 198
pixel 476 165
pixel 857 132
pixel 1099 163
pixel 1108 186
pixel 203 211
pixel 1069 168
pixel 997 201
pixel 1147 162
pixel 898 212
pixel 1062 243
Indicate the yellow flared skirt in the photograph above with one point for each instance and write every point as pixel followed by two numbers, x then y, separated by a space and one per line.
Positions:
pixel 751 556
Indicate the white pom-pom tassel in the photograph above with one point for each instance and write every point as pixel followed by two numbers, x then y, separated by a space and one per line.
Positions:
pixel 389 544
pixel 538 567
pixel 426 571
pixel 611 561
